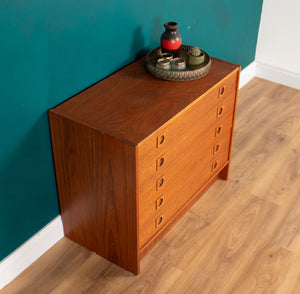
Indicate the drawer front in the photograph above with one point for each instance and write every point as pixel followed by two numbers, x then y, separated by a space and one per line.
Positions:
pixel 181 156
pixel 190 161
pixel 178 184
pixel 180 148
pixel 192 121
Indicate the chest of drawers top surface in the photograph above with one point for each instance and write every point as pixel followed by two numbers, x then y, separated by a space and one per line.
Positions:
pixel 131 104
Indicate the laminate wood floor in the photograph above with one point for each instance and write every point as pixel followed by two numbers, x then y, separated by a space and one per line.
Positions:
pixel 242 236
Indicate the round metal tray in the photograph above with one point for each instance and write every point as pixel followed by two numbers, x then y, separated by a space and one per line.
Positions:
pixel 171 75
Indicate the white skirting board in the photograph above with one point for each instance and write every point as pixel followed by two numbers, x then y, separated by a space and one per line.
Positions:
pixel 271 73
pixel 36 246
pixel 30 251
pixel 247 74
pixel 277 75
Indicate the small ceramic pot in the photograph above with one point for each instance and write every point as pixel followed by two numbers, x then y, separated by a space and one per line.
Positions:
pixel 178 64
pixel 163 63
pixel 195 61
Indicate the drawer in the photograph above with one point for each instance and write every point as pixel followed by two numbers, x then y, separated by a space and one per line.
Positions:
pixel 224 88
pixel 180 147
pixel 181 182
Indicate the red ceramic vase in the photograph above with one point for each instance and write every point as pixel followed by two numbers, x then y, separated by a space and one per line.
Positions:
pixel 171 40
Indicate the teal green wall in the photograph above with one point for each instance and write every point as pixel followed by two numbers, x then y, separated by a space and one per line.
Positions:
pixel 52 49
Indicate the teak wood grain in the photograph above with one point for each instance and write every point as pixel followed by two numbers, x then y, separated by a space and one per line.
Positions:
pixel 132 141
pixel 95 176
pixel 130 101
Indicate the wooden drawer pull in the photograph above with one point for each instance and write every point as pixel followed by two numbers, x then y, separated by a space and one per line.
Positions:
pixel 160 162
pixel 216 148
pixel 221 91
pixel 160 140
pixel 160 201
pixel 159 221
pixel 220 111
pixel 214 166
pixel 160 182
pixel 218 130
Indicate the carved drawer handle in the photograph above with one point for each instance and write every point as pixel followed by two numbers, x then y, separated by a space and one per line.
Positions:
pixel 220 111
pixel 160 201
pixel 160 140
pixel 221 91
pixel 218 130
pixel 214 166
pixel 160 162
pixel 216 148
pixel 159 221
pixel 160 182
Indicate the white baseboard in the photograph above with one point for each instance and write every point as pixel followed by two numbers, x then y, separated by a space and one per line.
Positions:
pixel 277 75
pixel 247 74
pixel 30 251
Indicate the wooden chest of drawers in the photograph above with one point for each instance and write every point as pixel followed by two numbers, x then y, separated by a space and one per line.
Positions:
pixel 132 153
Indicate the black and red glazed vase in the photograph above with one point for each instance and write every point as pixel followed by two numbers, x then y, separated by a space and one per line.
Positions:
pixel 171 40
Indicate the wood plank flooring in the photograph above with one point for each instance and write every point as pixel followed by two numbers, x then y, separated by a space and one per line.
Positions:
pixel 242 236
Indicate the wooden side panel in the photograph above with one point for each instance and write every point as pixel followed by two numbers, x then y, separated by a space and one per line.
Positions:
pixel 96 181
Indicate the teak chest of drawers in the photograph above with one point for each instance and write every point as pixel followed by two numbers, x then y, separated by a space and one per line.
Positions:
pixel 132 153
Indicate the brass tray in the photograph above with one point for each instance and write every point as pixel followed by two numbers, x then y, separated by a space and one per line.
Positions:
pixel 172 75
